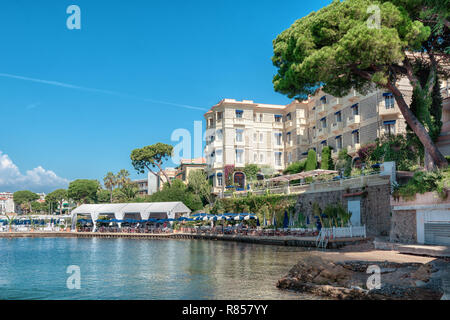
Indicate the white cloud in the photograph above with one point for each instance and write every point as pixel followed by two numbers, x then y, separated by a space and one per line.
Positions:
pixel 36 180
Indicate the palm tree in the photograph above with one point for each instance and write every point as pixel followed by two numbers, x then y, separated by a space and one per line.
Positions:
pixel 110 181
pixel 123 177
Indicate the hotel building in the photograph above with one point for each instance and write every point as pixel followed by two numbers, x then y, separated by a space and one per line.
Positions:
pixel 273 136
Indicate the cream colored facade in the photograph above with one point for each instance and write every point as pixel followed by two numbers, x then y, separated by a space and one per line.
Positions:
pixel 245 132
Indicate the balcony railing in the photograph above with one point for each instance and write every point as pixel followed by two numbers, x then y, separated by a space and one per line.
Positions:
pixel 353 96
pixel 322 132
pixel 353 121
pixel 336 127
pixel 395 111
pixel 336 103
pixel 321 109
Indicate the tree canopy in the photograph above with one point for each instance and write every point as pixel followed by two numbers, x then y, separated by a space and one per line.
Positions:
pixel 24 199
pixel 339 49
pixel 311 160
pixel 327 160
pixel 83 190
pixel 151 157
pixel 57 197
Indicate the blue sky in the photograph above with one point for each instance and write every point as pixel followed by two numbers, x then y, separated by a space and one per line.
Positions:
pixel 74 103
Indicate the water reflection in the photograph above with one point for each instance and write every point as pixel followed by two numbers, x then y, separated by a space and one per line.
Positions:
pixel 144 269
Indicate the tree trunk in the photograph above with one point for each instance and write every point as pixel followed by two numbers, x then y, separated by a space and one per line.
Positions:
pixel 435 156
pixel 164 173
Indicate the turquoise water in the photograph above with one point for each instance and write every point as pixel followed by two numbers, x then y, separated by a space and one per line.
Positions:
pixel 35 268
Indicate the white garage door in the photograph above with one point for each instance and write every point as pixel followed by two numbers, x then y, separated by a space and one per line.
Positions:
pixel 437 233
pixel 433 226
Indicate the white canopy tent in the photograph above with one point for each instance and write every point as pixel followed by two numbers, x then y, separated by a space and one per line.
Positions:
pixel 146 210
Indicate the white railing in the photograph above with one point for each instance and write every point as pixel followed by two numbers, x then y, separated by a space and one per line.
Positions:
pixel 326 234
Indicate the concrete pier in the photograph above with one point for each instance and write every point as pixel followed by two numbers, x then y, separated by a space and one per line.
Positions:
pixel 309 242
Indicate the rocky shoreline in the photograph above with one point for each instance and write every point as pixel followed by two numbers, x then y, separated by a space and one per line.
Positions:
pixel 347 280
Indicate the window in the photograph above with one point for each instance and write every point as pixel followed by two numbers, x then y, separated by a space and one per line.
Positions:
pixel 355 109
pixel 219 157
pixel 219 116
pixel 239 156
pixel 338 116
pixel 323 122
pixel 219 179
pixel 389 127
pixel 323 100
pixel 290 157
pixel 219 135
pixel 239 114
pixel 255 157
pixel 278 158
pixel 389 101
pixel 260 117
pixel 277 118
pixel 288 117
pixel 355 135
pixel 239 133
pixel 255 137
pixel 288 137
pixel 339 142
pixel 261 137
pixel 278 139
pixel 254 117
pixel 261 158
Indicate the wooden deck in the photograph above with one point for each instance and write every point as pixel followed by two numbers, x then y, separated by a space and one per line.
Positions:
pixel 309 242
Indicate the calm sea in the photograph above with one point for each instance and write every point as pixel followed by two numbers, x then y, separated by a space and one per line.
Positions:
pixel 36 268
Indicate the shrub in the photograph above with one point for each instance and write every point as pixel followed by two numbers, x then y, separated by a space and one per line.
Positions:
pixel 424 181
pixel 296 167
pixel 311 161
pixel 327 161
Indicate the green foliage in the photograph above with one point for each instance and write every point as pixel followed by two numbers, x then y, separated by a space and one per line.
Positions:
pixel 24 199
pixel 104 196
pixel 311 161
pixel 405 151
pixel 39 207
pixel 251 171
pixel 177 191
pixel 321 48
pixel 344 162
pixel 424 181
pixel 199 185
pixel 151 157
pixel 56 198
pixel 83 190
pixel 296 167
pixel 25 196
pixel 327 160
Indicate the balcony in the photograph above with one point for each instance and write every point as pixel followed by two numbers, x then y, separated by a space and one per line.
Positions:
pixel 321 110
pixel 354 121
pixel 303 140
pixel 351 150
pixel 336 127
pixel 336 103
pixel 289 123
pixel 353 96
pixel 391 112
pixel 322 133
pixel 277 125
pixel 238 120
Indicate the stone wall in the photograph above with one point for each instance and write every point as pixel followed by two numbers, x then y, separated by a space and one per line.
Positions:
pixel 375 205
pixel 404 226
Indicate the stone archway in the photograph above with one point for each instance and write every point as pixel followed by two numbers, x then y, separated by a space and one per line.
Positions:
pixel 239 179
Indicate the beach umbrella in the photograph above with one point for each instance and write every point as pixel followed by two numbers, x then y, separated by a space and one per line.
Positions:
pixel 274 220
pixel 257 222
pixel 285 220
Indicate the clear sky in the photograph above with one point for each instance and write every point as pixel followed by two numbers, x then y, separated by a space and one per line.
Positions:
pixel 74 103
